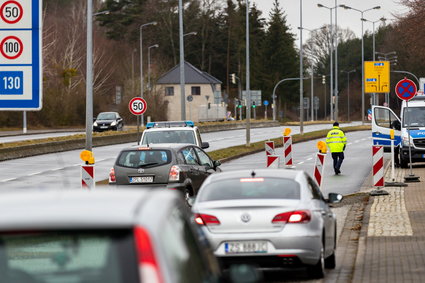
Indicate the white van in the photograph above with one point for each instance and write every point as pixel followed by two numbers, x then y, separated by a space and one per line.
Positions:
pixel 384 119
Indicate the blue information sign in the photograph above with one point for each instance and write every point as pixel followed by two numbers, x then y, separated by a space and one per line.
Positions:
pixel 20 55
pixel 266 102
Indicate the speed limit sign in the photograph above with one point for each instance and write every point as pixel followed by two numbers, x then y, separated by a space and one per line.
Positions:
pixel 137 106
pixel 11 12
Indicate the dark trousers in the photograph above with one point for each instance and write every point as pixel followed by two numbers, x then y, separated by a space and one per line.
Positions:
pixel 338 157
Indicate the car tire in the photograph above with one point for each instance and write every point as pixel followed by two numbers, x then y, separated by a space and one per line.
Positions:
pixel 317 271
pixel 403 162
pixel 187 194
pixel 330 261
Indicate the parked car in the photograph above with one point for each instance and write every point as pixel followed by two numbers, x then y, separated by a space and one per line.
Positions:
pixel 106 121
pixel 270 217
pixel 181 167
pixel 101 236
pixel 172 132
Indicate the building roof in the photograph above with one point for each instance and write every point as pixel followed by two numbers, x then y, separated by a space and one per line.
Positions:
pixel 192 76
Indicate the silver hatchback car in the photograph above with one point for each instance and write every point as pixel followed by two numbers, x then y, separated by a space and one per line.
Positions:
pixel 273 218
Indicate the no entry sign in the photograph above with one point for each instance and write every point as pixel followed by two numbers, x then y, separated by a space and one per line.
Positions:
pixel 137 106
pixel 405 89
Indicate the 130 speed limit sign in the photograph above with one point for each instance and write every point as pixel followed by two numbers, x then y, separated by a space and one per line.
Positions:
pixel 137 106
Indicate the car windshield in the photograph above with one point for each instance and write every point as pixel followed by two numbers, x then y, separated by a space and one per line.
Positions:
pixel 169 136
pixel 414 117
pixel 251 188
pixel 106 116
pixel 143 158
pixel 68 256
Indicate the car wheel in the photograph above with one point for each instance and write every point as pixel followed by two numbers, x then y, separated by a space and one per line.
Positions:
pixel 188 197
pixel 330 261
pixel 317 271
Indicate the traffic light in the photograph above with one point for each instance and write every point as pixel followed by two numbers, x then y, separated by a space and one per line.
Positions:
pixel 239 104
pixel 253 104
pixel 233 78
pixel 323 79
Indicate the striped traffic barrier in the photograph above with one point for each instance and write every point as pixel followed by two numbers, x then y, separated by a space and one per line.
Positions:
pixel 272 161
pixel 269 147
pixel 320 163
pixel 87 176
pixel 287 151
pixel 378 165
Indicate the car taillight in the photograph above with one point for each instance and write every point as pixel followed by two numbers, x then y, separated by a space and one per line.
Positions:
pixel 206 219
pixel 174 174
pixel 299 216
pixel 148 266
pixel 112 178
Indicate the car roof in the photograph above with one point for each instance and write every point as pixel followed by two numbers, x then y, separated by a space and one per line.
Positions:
pixel 82 209
pixel 280 173
pixel 175 146
pixel 170 129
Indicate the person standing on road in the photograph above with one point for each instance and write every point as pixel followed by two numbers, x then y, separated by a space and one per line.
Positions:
pixel 336 142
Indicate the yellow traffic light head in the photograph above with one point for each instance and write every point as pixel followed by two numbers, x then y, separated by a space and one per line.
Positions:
pixel 87 156
pixel 287 132
pixel 321 145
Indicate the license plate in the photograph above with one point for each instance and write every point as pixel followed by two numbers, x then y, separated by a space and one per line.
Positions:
pixel 245 247
pixel 146 179
pixel 103 127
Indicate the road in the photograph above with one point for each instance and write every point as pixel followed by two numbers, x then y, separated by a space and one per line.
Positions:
pixel 63 169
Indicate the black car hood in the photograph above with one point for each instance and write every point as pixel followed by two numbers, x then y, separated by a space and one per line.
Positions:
pixel 104 121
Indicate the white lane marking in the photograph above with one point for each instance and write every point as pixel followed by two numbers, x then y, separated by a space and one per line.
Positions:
pixel 300 162
pixel 356 141
pixel 350 143
pixel 364 139
pixel 56 169
pixel 7 180
pixel 309 158
pixel 35 173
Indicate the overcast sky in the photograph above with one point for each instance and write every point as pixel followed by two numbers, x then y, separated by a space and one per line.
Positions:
pixel 315 17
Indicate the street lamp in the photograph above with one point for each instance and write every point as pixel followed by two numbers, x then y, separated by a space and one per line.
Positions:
pixel 141 69
pixel 190 33
pixel 331 88
pixel 348 91
pixel 248 78
pixel 373 44
pixel 149 65
pixel 182 78
pixel 301 71
pixel 361 12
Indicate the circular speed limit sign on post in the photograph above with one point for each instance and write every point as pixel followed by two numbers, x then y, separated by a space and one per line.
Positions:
pixel 11 12
pixel 11 47
pixel 137 106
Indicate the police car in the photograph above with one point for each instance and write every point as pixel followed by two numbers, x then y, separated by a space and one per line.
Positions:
pixel 172 132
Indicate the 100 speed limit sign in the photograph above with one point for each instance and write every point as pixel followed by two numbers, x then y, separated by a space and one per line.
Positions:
pixel 137 106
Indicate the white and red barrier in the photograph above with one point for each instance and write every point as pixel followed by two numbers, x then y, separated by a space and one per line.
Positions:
pixel 269 146
pixel 272 161
pixel 287 151
pixel 318 168
pixel 87 177
pixel 378 166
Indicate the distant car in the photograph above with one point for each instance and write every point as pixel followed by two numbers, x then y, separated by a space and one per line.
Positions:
pixel 172 132
pixel 271 217
pixel 106 121
pixel 181 167
pixel 101 236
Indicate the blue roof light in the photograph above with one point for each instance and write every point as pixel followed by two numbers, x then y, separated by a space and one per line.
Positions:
pixel 190 124
pixel 150 125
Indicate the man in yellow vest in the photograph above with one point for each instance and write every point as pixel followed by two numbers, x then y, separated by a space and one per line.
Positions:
pixel 336 142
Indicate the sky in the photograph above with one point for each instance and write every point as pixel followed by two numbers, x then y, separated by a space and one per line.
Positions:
pixel 315 17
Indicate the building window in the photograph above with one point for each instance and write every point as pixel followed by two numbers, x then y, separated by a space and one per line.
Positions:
pixel 196 90
pixel 169 91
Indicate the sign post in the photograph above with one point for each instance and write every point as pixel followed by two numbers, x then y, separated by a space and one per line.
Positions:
pixel 406 90
pixel 20 55
pixel 137 106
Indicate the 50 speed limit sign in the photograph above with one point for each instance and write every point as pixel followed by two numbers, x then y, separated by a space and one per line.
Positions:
pixel 138 106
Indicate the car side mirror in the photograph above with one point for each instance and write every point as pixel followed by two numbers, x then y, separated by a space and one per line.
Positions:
pixel 205 145
pixel 334 198
pixel 244 273
pixel 216 163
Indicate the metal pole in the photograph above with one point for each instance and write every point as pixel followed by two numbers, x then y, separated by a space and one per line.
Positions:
pixel 182 78
pixel 373 45
pixel 363 106
pixel 336 62
pixel 348 97
pixel 240 98
pixel 149 69
pixel 141 79
pixel 324 95
pixel 331 87
pixel 410 145
pixel 301 71
pixel 89 78
pixel 312 95
pixel 248 91
pixel 24 126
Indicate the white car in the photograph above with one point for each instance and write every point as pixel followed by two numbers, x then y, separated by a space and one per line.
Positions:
pixel 172 132
pixel 273 218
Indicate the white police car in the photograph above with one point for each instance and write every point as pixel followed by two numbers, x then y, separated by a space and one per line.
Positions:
pixel 172 132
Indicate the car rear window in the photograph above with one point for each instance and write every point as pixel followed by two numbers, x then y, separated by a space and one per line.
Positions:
pixel 68 256
pixel 169 136
pixel 251 188
pixel 143 158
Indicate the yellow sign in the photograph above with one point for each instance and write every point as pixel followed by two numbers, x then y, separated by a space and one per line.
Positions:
pixel 321 145
pixel 376 76
pixel 287 132
pixel 87 156
pixel 392 134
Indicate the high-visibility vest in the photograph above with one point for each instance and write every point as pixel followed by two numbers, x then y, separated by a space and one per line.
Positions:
pixel 336 140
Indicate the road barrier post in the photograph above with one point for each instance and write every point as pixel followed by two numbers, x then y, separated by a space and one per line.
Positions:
pixel 287 149
pixel 269 146
pixel 320 162
pixel 378 170
pixel 87 176
pixel 272 161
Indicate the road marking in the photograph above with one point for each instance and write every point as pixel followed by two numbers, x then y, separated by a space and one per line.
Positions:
pixel 56 169
pixel 300 162
pixel 36 173
pixel 7 180
pixel 356 141
pixel 364 139
pixel 309 158
pixel 349 143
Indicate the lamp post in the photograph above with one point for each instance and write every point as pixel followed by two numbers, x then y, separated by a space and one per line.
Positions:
pixel 141 69
pixel 190 33
pixel 301 71
pixel 361 12
pixel 375 102
pixel 182 76
pixel 149 65
pixel 248 90
pixel 348 92
pixel 331 44
pixel 89 75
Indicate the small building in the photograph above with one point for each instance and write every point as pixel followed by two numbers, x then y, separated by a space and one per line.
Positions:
pixel 201 88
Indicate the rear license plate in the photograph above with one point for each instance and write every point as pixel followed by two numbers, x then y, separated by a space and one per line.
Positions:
pixel 245 247
pixel 146 179
pixel 103 127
